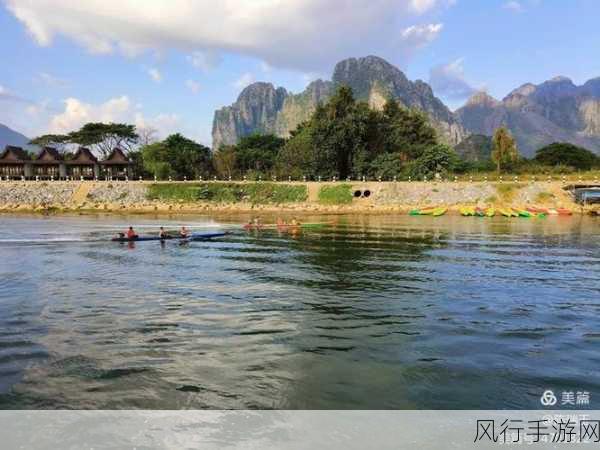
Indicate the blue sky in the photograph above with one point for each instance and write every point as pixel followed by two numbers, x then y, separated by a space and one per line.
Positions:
pixel 169 64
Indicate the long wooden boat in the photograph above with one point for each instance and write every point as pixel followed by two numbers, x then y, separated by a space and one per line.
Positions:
pixel 192 237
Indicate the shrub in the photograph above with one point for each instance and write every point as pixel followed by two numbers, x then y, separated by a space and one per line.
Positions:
pixel 256 193
pixel 339 194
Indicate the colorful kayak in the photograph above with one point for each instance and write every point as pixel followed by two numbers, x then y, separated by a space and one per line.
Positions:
pixel 506 212
pixel 192 237
pixel 286 225
pixel 439 211
pixel 523 213
pixel 490 212
pixel 467 211
pixel 564 212
pixel 537 210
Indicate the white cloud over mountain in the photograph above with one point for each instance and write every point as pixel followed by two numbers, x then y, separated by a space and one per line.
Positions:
pixel 299 34
pixel 448 80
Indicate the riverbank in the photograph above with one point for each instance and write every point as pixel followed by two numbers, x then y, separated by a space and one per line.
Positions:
pixel 293 197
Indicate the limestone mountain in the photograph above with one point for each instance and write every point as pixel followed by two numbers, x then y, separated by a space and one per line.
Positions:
pixel 263 108
pixel 537 115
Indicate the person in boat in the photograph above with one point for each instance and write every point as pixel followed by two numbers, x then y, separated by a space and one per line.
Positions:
pixel 281 222
pixel 131 234
pixel 184 232
pixel 120 235
pixel 163 234
pixel 257 222
pixel 294 222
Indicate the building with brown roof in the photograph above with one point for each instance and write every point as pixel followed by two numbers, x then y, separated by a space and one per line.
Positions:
pixel 117 165
pixel 14 163
pixel 83 165
pixel 49 163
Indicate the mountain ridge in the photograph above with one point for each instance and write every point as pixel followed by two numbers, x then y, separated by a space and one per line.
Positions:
pixel 371 78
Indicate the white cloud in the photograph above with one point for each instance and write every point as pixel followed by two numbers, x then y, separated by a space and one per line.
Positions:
pixel 265 67
pixel 193 86
pixel 448 80
pixel 204 60
pixel 78 113
pixel 243 81
pixel 51 80
pixel 154 74
pixel 9 96
pixel 514 6
pixel 299 34
pixel 421 35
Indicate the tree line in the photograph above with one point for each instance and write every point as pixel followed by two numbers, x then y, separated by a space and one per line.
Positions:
pixel 342 138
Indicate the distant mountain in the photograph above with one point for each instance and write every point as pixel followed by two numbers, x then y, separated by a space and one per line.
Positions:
pixel 263 108
pixel 12 137
pixel 537 115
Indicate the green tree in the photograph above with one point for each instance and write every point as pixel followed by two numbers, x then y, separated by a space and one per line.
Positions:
pixel 387 166
pixel 177 157
pixel 104 137
pixel 258 153
pixel 560 153
pixel 406 131
pixel 298 157
pixel 436 159
pixel 339 131
pixel 225 160
pixel 57 141
pixel 504 148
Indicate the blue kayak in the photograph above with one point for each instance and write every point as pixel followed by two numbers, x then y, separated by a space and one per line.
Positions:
pixel 192 237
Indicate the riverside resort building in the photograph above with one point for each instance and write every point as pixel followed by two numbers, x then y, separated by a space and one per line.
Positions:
pixel 16 164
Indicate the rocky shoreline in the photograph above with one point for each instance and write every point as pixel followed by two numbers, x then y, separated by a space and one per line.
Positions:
pixel 384 197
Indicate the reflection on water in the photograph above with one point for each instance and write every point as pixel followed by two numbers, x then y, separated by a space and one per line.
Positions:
pixel 372 312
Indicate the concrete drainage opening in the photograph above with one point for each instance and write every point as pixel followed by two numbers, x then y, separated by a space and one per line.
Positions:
pixel 364 194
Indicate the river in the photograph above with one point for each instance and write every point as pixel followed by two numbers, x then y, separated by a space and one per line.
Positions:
pixel 370 312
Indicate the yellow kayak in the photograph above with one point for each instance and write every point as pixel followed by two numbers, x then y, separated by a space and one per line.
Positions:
pixel 439 211
pixel 467 211
pixel 490 212
pixel 506 212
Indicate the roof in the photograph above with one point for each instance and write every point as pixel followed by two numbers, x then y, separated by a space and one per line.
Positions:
pixel 83 156
pixel 48 155
pixel 116 157
pixel 13 155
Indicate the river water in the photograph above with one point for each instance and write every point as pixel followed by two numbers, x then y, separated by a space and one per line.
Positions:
pixel 371 312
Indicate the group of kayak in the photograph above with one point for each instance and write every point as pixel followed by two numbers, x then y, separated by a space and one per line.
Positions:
pixel 530 211
pixel 282 225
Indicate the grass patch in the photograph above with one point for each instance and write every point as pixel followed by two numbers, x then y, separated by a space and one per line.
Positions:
pixel 339 194
pixel 491 199
pixel 507 192
pixel 544 197
pixel 256 193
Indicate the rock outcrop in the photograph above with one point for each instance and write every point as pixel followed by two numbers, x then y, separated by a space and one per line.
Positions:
pixel 263 108
pixel 537 115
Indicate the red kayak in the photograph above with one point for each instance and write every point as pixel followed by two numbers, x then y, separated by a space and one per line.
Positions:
pixel 564 212
pixel 535 209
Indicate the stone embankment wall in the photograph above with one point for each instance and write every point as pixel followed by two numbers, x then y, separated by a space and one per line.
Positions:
pixel 131 196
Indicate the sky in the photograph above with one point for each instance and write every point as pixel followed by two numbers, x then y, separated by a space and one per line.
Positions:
pixel 169 64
